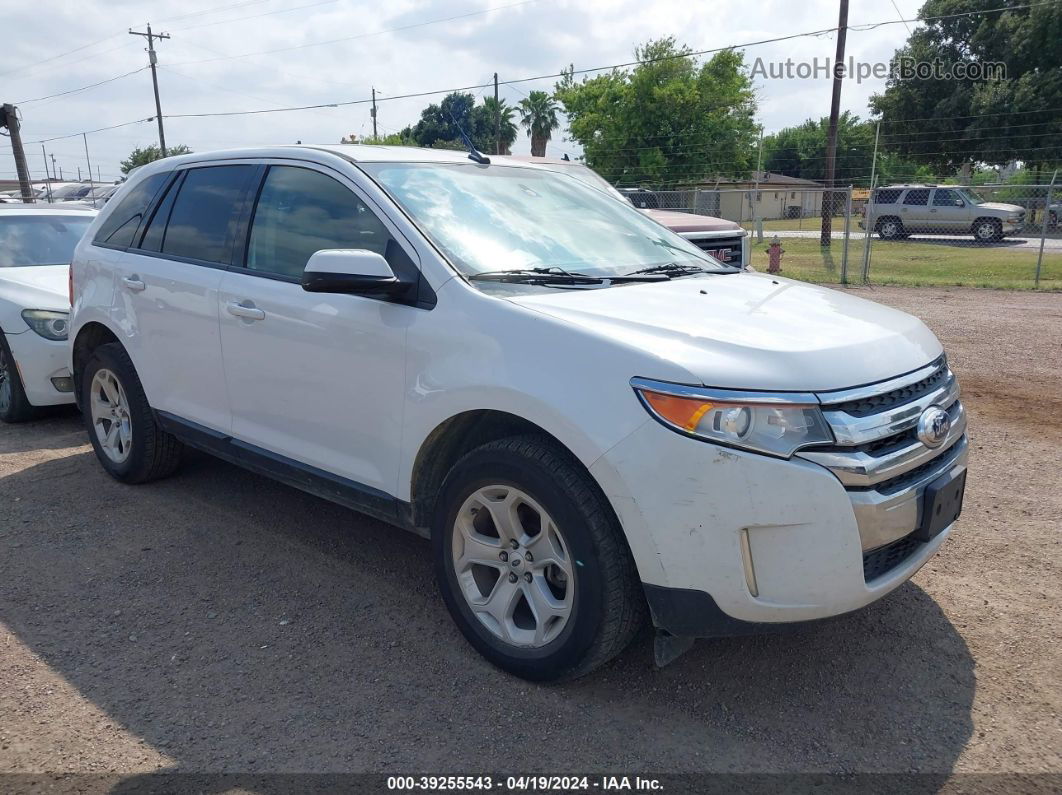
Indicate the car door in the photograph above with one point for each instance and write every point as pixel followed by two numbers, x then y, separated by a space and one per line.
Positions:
pixel 913 210
pixel 316 380
pixel 947 211
pixel 167 291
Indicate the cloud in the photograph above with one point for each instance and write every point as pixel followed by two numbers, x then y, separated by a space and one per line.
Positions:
pixel 198 74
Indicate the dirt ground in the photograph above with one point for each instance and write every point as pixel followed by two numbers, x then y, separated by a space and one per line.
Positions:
pixel 218 621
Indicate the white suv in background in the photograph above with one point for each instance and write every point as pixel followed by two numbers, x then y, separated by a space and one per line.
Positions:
pixel 591 418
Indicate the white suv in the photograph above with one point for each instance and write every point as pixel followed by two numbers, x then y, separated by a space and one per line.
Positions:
pixel 591 418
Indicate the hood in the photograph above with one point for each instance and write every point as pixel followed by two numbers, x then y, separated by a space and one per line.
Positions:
pixel 1009 208
pixel 688 222
pixel 751 331
pixel 37 287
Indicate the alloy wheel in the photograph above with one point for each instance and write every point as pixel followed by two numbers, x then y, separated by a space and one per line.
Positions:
pixel 986 231
pixel 111 420
pixel 513 567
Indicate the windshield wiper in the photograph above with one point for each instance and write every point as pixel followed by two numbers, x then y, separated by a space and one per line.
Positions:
pixel 557 275
pixel 671 269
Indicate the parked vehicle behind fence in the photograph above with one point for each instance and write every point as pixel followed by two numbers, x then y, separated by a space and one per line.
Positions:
pixel 901 210
pixel 724 240
pixel 591 418
pixel 36 244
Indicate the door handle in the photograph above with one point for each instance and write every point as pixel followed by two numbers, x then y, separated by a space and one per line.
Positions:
pixel 134 283
pixel 245 309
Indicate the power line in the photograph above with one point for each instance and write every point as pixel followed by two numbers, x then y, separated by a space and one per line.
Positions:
pixel 263 14
pixel 713 50
pixel 82 88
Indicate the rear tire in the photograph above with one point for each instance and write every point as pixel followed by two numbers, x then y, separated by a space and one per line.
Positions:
pixel 891 229
pixel 120 423
pixel 523 613
pixel 14 405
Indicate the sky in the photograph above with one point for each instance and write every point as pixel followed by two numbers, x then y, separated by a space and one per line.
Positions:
pixel 236 55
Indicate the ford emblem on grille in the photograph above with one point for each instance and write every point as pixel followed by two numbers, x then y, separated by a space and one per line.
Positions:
pixel 933 426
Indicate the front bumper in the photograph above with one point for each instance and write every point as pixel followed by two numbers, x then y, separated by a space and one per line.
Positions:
pixel 39 361
pixel 729 542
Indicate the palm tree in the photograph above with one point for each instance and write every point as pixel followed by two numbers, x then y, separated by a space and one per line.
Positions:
pixel 539 116
pixel 499 110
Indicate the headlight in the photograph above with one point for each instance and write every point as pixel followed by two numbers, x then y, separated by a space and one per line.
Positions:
pixel 50 325
pixel 773 423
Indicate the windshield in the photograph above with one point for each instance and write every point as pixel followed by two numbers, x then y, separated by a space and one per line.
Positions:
pixel 39 239
pixel 972 196
pixel 492 218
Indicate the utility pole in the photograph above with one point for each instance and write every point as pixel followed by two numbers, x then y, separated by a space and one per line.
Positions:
pixel 89 162
pixel 831 141
pixel 497 118
pixel 373 114
pixel 9 119
pixel 152 60
pixel 47 179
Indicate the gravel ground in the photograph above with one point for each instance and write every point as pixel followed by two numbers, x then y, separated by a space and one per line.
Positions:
pixel 218 621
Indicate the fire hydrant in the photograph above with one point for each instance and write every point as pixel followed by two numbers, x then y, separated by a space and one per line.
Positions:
pixel 774 255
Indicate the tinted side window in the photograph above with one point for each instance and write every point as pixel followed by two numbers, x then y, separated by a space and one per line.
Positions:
pixel 917 197
pixel 886 196
pixel 155 232
pixel 206 212
pixel 302 211
pixel 120 227
pixel 945 198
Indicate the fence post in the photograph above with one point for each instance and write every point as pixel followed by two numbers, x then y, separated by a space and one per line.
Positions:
pixel 847 229
pixel 1043 227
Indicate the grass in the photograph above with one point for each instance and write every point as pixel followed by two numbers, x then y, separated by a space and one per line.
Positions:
pixel 915 264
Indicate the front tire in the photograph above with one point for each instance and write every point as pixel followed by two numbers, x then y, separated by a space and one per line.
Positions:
pixel 532 563
pixel 14 405
pixel 988 230
pixel 120 423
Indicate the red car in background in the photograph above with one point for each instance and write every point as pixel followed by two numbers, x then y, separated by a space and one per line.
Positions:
pixel 724 240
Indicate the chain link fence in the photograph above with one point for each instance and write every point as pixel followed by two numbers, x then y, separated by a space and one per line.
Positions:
pixel 1006 236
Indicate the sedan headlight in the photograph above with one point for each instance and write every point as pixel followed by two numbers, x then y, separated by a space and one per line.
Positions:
pixel 774 423
pixel 50 325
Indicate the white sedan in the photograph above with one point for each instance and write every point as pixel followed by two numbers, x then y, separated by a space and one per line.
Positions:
pixel 36 244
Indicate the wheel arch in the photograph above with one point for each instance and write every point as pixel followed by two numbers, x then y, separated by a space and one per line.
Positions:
pixel 458 434
pixel 89 337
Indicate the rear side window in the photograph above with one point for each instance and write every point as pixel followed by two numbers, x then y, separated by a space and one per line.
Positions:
pixel 302 211
pixel 887 196
pixel 120 227
pixel 918 197
pixel 202 224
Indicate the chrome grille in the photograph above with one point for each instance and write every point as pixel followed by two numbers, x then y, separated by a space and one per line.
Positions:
pixel 878 457
pixel 877 403
pixel 724 249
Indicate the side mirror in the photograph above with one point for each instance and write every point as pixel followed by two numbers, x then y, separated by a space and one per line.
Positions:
pixel 350 270
pixel 960 203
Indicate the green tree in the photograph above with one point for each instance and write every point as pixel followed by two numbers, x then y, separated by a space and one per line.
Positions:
pixel 484 124
pixel 149 154
pixel 801 151
pixel 440 125
pixel 390 139
pixel 947 123
pixel 538 113
pixel 669 121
